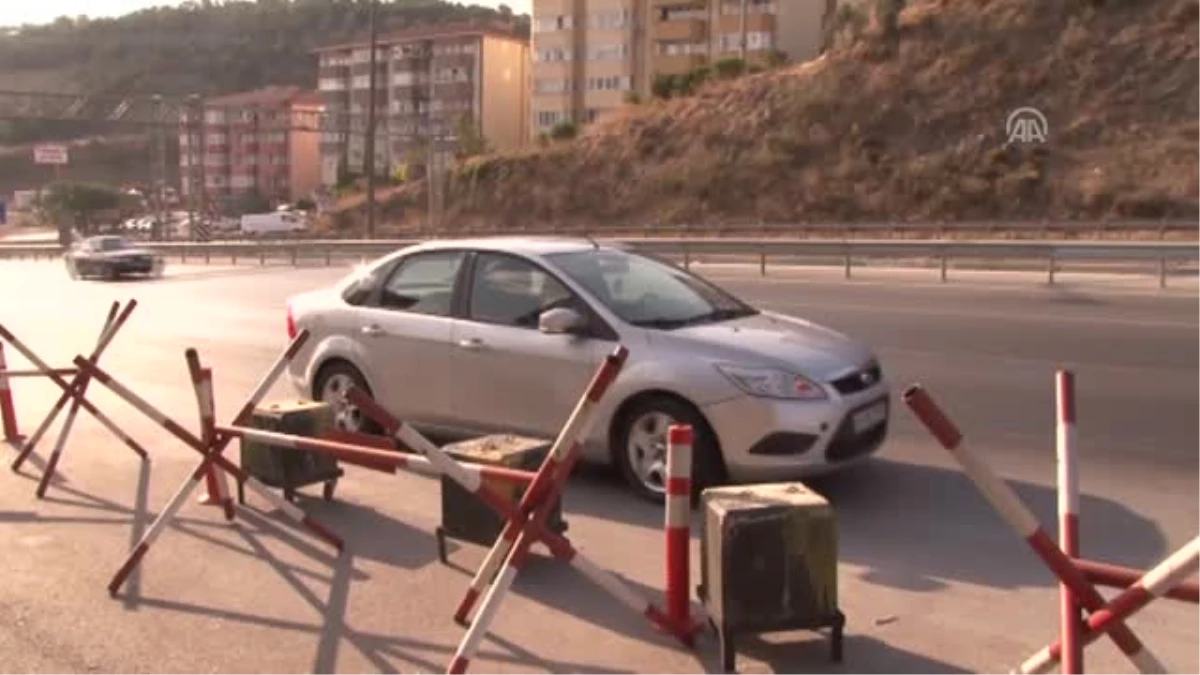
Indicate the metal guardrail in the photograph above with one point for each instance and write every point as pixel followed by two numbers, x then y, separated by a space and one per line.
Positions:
pixel 1168 257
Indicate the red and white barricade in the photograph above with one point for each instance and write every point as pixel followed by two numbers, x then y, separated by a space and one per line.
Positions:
pixel 1071 618
pixel 678 526
pixel 1077 585
pixel 211 452
pixel 74 391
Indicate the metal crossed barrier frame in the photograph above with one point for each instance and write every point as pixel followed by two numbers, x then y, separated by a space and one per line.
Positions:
pixel 74 392
pixel 525 524
pixel 1078 589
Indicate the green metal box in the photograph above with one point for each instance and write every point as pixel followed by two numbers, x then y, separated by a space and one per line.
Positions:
pixel 464 515
pixel 284 467
pixel 769 556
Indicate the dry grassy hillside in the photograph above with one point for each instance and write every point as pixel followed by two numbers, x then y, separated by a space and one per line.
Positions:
pixel 914 131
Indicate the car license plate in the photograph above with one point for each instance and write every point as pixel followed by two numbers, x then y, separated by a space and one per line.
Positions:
pixel 867 418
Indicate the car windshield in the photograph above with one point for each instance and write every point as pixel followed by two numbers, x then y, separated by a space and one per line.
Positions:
pixel 111 244
pixel 647 292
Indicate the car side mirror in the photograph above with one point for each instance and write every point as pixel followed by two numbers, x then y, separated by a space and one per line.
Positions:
pixel 561 321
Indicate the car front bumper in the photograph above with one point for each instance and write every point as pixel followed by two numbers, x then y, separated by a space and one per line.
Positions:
pixel 767 440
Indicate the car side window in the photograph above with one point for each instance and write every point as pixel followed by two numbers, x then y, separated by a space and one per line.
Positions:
pixel 509 291
pixel 423 283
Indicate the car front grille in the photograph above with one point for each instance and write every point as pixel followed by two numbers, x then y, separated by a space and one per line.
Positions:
pixel 845 444
pixel 859 380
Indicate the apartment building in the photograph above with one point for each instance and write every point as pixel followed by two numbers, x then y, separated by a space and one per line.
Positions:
pixel 590 56
pixel 431 85
pixel 265 141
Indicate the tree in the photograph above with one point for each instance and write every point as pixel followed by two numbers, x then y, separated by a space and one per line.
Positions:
pixel 470 141
pixel 564 131
pixel 77 205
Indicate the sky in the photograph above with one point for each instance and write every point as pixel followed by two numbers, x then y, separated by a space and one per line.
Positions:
pixel 18 12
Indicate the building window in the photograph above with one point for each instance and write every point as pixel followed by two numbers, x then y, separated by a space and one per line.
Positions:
pixel 762 7
pixel 610 20
pixel 553 54
pixel 759 40
pixel 611 83
pixel 681 14
pixel 731 42
pixel 552 85
pixel 678 48
pixel 612 52
pixel 552 24
pixel 550 118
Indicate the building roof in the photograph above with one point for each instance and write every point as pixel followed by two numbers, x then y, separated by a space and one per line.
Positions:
pixel 441 31
pixel 267 96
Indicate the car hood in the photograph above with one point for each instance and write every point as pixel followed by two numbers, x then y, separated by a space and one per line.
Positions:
pixel 771 339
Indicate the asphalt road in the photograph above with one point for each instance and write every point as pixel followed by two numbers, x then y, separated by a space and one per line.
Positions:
pixel 931 579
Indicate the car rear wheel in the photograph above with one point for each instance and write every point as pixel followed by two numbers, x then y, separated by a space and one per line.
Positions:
pixel 332 383
pixel 641 447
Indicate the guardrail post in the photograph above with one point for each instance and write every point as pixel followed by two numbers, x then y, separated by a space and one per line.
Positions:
pixel 233 256
pixel 847 261
pixel 762 262
pixel 1162 272
pixel 943 264
pixel 207 256
pixel 328 257
pixel 295 254
pixel 1052 265
pixel 687 258
pixel 262 256
pixel 182 254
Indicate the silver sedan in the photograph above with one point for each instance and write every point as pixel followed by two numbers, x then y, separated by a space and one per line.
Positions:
pixel 501 335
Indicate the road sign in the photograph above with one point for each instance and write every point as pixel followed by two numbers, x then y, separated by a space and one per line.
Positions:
pixel 50 154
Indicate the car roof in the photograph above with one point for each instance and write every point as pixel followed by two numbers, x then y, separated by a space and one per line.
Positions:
pixel 534 246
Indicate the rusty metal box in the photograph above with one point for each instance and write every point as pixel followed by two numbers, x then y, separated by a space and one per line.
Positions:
pixel 287 468
pixel 768 562
pixel 465 516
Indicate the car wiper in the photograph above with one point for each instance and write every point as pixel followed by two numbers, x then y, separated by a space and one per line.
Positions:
pixel 707 317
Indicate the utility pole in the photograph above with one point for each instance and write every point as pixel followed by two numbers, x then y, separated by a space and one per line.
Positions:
pixel 369 161
pixel 160 167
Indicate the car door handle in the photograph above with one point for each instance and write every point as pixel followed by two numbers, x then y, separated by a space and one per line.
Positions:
pixel 373 330
pixel 470 343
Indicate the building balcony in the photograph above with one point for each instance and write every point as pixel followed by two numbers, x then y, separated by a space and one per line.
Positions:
pixel 681 30
pixel 756 22
pixel 677 64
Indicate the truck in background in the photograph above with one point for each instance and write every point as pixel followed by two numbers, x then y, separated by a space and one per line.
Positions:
pixel 274 222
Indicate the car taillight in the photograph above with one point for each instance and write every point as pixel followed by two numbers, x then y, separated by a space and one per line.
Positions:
pixel 291 324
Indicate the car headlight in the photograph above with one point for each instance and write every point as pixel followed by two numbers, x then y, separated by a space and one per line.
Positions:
pixel 772 382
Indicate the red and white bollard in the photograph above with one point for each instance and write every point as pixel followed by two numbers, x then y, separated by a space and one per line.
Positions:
pixel 8 412
pixel 1071 619
pixel 678 523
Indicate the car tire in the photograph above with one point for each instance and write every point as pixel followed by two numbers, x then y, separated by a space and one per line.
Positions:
pixel 335 378
pixel 642 430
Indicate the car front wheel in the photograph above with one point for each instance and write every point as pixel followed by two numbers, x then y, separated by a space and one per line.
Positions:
pixel 332 383
pixel 640 448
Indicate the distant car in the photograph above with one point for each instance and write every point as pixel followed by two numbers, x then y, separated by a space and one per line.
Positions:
pixel 111 257
pixel 502 335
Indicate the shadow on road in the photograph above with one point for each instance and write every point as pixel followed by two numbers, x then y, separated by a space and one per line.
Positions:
pixel 917 527
pixel 809 653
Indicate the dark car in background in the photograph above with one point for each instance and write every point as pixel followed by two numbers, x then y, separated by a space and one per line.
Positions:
pixel 111 257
